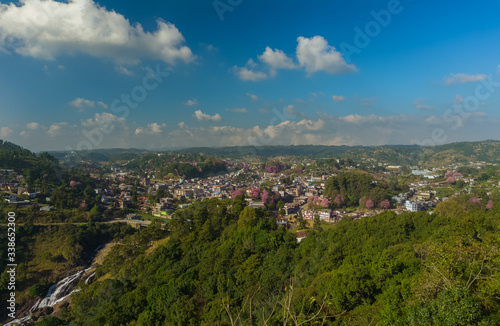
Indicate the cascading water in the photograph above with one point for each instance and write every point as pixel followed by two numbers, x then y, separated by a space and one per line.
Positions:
pixel 59 291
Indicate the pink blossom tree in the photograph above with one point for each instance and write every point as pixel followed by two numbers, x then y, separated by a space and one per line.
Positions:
pixel 385 204
pixel 369 204
pixel 325 202
pixel 451 180
pixel 235 193
pixel 255 193
pixel 475 200
pixel 489 206
pixel 338 200
pixel 264 196
pixel 73 183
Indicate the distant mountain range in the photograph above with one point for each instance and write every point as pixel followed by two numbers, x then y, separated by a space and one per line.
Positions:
pixel 406 155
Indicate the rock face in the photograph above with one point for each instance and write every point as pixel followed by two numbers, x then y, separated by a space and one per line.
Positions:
pixel 41 313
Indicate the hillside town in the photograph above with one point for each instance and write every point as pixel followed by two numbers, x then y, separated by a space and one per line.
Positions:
pixel 285 190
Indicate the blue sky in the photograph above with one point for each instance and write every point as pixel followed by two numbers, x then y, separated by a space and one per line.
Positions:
pixel 247 73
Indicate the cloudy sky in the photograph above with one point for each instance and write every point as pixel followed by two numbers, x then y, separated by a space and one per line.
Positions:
pixel 81 74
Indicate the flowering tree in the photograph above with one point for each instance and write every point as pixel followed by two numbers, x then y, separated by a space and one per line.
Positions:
pixel 338 200
pixel 235 193
pixel 385 204
pixel 73 183
pixel 264 196
pixel 475 200
pixel 369 204
pixel 273 168
pixel 451 180
pixel 325 202
pixel 255 193
pixel 489 206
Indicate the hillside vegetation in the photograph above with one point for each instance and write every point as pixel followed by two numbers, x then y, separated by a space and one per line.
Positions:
pixel 226 264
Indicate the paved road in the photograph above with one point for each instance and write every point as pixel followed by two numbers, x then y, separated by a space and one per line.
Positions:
pixel 131 222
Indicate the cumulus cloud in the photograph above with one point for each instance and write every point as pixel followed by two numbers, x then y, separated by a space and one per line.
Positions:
pixel 276 59
pixel 56 129
pixel 245 73
pixel 202 116
pixel 192 102
pixel 238 110
pixel 464 78
pixel 315 54
pixel 46 29
pixel 326 129
pixel 253 96
pixel 81 104
pixel 338 98
pixel 104 121
pixel 419 105
pixel 5 132
pixel 290 110
pixel 151 129
pixel 33 126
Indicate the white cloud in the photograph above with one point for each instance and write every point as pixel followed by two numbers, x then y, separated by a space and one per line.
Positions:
pixel 314 54
pixel 202 116
pixel 433 120
pixel 56 129
pixel 192 102
pixel 245 73
pixel 338 98
pixel 48 29
pixel 5 132
pixel 124 70
pixel 290 110
pixel 102 104
pixel 419 105
pixel 81 104
pixel 326 129
pixel 238 110
pixel 104 121
pixel 33 125
pixel 253 96
pixel 276 59
pixel 463 78
pixel 151 129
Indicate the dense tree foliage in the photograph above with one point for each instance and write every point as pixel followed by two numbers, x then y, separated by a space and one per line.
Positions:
pixel 347 189
pixel 222 263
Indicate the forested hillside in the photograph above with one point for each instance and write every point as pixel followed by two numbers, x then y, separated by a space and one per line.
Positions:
pixel 38 169
pixel 222 263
